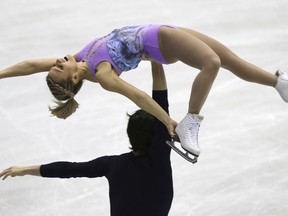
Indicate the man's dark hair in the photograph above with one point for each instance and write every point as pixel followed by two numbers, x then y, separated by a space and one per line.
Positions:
pixel 140 131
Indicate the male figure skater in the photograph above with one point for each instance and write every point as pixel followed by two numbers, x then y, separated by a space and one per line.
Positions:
pixel 140 182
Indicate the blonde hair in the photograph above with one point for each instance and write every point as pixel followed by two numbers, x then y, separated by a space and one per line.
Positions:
pixel 66 92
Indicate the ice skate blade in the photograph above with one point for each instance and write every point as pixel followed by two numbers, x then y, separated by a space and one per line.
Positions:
pixel 185 155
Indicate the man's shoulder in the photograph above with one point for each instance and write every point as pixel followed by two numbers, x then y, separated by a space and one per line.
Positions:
pixel 123 156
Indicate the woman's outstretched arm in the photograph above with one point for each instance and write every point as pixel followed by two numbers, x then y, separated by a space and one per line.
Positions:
pixel 28 67
pixel 110 81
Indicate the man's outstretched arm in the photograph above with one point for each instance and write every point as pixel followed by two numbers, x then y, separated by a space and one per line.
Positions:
pixel 61 169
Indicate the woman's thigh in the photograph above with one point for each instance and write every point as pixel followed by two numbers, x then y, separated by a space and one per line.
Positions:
pixel 226 56
pixel 180 45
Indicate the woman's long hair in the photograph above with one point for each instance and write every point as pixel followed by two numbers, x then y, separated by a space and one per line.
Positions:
pixel 64 94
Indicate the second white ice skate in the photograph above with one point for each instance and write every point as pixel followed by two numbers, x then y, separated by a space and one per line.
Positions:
pixel 282 85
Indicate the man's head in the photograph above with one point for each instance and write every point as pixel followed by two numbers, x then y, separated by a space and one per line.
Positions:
pixel 140 131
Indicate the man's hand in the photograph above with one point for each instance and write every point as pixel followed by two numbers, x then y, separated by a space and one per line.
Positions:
pixel 20 171
pixel 12 171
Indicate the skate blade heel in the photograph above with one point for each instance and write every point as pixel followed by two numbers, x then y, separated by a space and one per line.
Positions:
pixel 186 155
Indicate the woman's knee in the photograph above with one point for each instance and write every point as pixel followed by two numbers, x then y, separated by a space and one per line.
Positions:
pixel 212 64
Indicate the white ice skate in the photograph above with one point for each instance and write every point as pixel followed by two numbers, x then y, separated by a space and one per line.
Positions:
pixel 187 131
pixel 282 85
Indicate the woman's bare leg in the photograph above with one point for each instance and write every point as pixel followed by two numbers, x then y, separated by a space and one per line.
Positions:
pixel 180 45
pixel 206 54
pixel 233 63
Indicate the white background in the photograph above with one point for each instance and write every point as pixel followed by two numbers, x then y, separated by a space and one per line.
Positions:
pixel 243 166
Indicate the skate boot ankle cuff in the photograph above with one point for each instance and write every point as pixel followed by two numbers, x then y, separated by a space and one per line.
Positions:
pixel 196 117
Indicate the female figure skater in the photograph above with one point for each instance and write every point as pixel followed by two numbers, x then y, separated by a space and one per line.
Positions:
pixel 105 58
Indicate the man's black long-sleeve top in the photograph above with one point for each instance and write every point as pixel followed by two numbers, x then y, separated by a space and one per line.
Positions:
pixel 138 185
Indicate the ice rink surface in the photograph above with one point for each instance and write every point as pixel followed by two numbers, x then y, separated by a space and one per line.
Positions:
pixel 243 168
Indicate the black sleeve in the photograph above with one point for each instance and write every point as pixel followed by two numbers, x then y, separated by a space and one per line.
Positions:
pixel 160 151
pixel 95 168
pixel 161 97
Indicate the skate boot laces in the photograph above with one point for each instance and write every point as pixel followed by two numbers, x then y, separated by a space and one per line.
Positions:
pixel 191 132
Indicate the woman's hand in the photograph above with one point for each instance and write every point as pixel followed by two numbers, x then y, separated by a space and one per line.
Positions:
pixel 171 129
pixel 145 57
